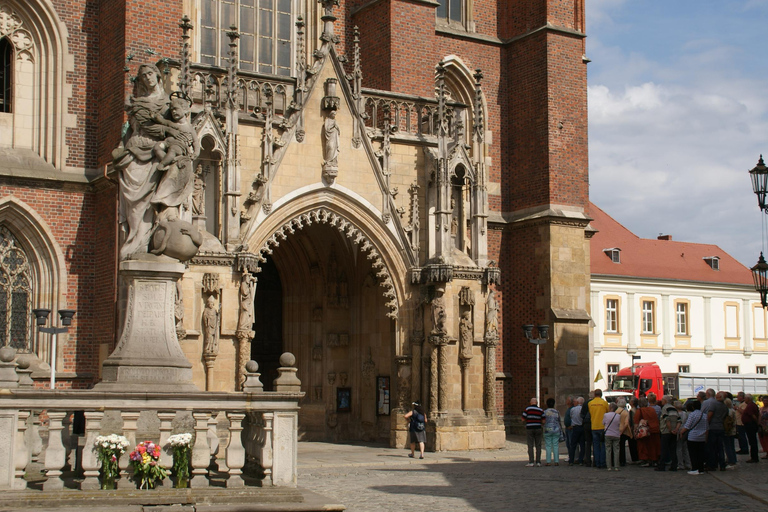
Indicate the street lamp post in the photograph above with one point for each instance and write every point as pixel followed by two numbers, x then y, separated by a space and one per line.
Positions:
pixel 41 315
pixel 543 331
pixel 759 176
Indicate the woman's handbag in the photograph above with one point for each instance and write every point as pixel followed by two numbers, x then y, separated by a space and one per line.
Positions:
pixel 642 430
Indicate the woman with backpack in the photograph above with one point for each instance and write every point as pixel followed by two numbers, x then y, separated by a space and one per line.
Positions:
pixel 417 428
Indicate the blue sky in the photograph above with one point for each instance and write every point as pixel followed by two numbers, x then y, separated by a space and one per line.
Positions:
pixel 678 113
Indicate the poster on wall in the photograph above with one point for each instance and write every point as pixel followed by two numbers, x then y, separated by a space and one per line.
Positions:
pixel 382 396
pixel 343 399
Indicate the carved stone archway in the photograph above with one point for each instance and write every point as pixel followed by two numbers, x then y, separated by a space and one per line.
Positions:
pixel 322 215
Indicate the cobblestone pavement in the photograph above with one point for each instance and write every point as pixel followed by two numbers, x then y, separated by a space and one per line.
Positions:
pixel 376 478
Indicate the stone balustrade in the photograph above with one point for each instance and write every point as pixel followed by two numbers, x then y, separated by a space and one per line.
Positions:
pixel 261 429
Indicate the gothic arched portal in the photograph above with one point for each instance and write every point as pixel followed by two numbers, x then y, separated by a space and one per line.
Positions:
pixel 318 297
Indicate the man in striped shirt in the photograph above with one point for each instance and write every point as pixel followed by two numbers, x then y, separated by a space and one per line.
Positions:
pixel 534 418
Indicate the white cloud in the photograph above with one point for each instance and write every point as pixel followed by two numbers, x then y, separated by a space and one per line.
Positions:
pixel 672 136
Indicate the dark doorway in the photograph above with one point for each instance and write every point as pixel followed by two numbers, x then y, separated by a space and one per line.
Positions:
pixel 267 344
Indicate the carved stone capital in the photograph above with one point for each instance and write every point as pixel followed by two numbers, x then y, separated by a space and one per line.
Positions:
pixel 403 360
pixel 439 340
pixel 491 339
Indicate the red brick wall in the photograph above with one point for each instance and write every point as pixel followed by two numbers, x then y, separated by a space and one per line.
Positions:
pixel 81 19
pixel 67 209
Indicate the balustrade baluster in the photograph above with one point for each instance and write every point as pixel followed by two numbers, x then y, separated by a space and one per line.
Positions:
pixel 130 424
pixel 201 451
pixel 266 449
pixel 235 450
pixel 20 451
pixel 166 452
pixel 90 456
pixel 55 454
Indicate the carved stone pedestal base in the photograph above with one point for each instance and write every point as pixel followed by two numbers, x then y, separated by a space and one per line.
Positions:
pixel 148 356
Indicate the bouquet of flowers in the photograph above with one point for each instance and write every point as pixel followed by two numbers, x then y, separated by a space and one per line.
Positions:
pixel 109 449
pixel 180 446
pixel 146 468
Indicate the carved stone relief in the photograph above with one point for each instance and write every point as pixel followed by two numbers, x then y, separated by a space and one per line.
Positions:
pixel 466 335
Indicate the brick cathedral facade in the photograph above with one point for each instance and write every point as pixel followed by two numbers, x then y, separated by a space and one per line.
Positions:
pixel 509 144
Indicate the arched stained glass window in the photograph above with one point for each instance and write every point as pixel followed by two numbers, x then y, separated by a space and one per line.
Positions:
pixel 15 293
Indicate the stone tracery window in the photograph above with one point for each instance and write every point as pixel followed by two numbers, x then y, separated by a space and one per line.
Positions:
pixel 266 33
pixel 6 76
pixel 15 293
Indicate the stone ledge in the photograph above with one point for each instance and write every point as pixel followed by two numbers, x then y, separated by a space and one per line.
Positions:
pixel 169 500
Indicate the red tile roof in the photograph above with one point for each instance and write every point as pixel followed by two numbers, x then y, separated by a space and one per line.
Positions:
pixel 660 259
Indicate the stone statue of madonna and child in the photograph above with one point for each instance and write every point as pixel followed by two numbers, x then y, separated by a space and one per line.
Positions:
pixel 156 175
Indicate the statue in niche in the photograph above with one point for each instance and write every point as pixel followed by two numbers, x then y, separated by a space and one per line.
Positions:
pixel 198 192
pixel 247 292
pixel 438 316
pixel 491 315
pixel 331 134
pixel 210 327
pixel 466 335
pixel 154 160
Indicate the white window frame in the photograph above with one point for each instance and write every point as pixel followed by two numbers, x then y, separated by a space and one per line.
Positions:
pixel 760 370
pixel 611 315
pixel 682 320
pixel 648 317
pixel 733 369
pixel 683 368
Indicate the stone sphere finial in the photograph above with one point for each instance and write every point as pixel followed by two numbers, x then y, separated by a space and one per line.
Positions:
pixel 8 354
pixel 252 366
pixel 22 362
pixel 287 359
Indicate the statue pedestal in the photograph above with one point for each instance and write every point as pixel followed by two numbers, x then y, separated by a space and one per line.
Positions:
pixel 148 356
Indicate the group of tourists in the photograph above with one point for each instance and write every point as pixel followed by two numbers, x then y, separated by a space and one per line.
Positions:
pixel 667 435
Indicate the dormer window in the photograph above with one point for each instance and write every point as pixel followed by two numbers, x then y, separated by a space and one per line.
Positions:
pixel 713 262
pixel 614 253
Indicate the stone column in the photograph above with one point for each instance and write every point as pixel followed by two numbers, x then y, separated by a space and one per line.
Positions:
pixel 201 451
pixel 416 368
pixel 90 458
pixel 465 384
pixel 209 360
pixel 20 451
pixel 490 376
pixel 130 425
pixel 440 359
pixel 166 452
pixel 433 381
pixel 55 454
pixel 235 451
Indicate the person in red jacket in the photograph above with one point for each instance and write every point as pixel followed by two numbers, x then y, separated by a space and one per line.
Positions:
pixel 750 417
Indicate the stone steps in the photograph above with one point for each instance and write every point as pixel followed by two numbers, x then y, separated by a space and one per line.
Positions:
pixel 168 500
